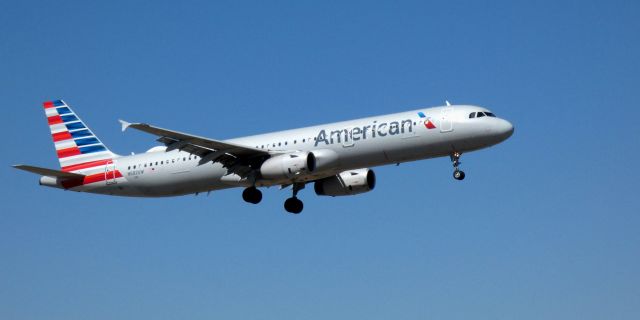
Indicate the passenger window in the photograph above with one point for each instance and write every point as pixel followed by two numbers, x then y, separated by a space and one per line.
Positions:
pixel 472 115
pixel 480 114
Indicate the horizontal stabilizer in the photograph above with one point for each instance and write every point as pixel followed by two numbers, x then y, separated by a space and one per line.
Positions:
pixel 48 172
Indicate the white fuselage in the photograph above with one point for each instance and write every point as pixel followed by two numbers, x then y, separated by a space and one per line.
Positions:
pixel 366 142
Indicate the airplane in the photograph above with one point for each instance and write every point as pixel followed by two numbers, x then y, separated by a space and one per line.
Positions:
pixel 335 157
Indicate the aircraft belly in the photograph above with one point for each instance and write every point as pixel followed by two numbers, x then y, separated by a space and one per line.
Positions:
pixel 181 181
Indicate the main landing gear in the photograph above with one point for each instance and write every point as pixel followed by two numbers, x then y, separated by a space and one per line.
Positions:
pixel 293 204
pixel 457 173
pixel 252 195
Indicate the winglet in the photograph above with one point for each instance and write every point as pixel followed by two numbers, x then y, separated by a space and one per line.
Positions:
pixel 124 124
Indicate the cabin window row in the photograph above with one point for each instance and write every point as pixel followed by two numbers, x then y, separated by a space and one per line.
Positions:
pixel 162 162
pixel 280 144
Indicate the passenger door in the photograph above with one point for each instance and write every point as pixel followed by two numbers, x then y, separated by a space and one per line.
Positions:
pixel 348 138
pixel 110 173
pixel 446 125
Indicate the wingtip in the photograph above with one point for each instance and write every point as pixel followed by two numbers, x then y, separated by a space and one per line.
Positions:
pixel 124 124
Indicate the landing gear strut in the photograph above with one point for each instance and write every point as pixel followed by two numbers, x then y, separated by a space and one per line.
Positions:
pixel 293 204
pixel 252 195
pixel 455 159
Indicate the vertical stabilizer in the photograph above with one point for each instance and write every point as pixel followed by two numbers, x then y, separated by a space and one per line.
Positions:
pixel 77 148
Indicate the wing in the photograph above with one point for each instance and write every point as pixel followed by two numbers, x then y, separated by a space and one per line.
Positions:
pixel 236 158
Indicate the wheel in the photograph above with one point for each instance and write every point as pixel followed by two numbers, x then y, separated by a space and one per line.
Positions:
pixel 458 175
pixel 293 205
pixel 252 195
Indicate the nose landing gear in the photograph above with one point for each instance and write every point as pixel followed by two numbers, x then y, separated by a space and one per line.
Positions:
pixel 455 159
pixel 458 175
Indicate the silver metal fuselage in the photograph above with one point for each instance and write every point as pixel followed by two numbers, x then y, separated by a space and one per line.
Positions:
pixel 360 143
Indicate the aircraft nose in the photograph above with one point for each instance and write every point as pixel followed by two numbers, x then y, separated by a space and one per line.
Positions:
pixel 504 129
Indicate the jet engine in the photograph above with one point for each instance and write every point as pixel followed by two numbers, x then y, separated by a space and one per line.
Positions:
pixel 288 165
pixel 326 159
pixel 346 183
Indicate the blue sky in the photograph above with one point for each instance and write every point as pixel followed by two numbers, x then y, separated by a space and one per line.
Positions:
pixel 545 225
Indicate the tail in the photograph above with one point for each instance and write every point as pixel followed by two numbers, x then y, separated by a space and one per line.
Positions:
pixel 77 147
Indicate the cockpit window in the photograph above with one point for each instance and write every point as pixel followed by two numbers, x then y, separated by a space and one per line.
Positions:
pixel 481 114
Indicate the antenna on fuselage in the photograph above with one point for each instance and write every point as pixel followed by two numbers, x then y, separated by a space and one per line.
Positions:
pixel 447 102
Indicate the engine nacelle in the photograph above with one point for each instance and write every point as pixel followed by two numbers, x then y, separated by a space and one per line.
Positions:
pixel 326 159
pixel 346 183
pixel 288 165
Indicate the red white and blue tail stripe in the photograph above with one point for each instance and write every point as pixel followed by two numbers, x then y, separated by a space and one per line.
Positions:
pixel 78 149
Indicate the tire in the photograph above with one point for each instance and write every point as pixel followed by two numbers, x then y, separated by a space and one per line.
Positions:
pixel 293 205
pixel 458 175
pixel 252 195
